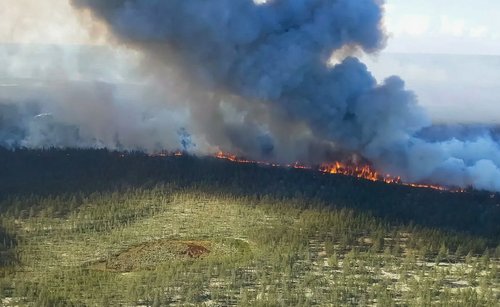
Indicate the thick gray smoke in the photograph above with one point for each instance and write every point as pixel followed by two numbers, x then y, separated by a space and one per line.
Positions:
pixel 257 79
pixel 276 54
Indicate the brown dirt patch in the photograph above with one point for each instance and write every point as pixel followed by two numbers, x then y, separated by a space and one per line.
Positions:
pixel 195 250
pixel 151 254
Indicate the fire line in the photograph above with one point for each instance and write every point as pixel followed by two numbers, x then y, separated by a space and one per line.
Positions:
pixel 364 172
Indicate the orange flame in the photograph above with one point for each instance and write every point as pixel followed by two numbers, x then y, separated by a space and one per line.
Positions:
pixel 364 172
pixel 356 171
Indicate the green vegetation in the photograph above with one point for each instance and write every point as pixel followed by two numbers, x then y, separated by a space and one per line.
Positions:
pixel 91 228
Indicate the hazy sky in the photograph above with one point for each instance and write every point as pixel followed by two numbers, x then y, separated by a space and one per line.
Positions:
pixel 452 88
pixel 444 26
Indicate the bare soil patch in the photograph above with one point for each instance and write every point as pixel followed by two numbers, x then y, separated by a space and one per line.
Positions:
pixel 195 250
pixel 150 254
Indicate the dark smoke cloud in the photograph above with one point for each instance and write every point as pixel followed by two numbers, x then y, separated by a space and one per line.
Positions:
pixel 276 52
pixel 257 80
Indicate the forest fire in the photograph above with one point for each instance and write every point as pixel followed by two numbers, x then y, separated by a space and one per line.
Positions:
pixel 364 172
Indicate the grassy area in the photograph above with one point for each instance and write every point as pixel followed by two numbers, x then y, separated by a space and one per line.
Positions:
pixel 131 249
pixel 91 228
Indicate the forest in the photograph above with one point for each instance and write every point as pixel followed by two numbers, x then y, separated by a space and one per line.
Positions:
pixel 92 227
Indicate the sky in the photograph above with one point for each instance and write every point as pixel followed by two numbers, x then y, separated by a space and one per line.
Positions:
pixel 452 88
pixel 444 26
pixel 448 52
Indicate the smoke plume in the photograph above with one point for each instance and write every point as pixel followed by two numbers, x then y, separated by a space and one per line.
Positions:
pixel 273 80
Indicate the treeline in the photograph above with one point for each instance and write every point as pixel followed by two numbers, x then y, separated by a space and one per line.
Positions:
pixel 24 172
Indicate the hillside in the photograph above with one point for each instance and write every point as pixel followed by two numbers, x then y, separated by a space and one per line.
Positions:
pixel 93 228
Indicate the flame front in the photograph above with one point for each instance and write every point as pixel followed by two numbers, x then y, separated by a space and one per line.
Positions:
pixel 364 172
